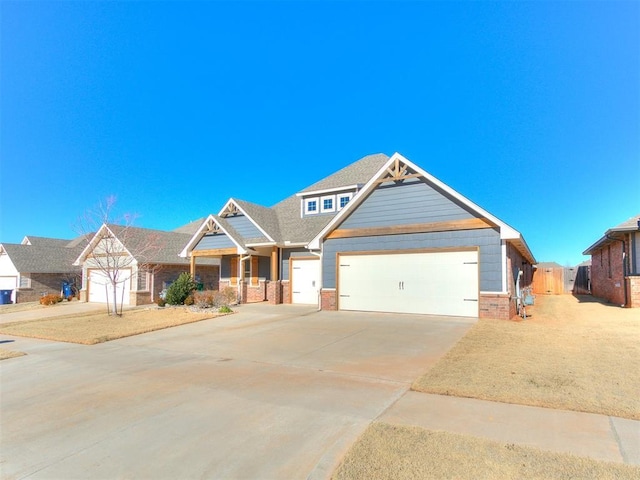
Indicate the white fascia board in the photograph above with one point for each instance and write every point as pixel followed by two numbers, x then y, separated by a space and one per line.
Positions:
pixel 261 244
pixel 327 190
pixel 100 234
pixel 231 200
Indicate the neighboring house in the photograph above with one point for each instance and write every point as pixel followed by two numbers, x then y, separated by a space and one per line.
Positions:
pixel 38 266
pixel 615 264
pixel 142 261
pixel 381 234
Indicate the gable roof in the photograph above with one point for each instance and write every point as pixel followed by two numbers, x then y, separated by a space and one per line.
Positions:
pixel 45 258
pixel 44 241
pixel 284 224
pixel 143 244
pixel 630 225
pixel 206 227
pixel 506 232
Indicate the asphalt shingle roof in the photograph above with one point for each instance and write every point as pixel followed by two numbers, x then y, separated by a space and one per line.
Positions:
pixel 42 258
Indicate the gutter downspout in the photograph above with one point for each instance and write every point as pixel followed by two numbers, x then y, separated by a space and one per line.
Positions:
pixel 624 266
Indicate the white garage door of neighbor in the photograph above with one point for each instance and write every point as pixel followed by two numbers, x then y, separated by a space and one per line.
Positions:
pixel 305 281
pixel 100 286
pixel 434 283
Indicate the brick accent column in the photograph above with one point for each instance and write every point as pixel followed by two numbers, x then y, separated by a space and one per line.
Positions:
pixel 633 291
pixel 274 292
pixel 286 294
pixel 497 306
pixel 328 300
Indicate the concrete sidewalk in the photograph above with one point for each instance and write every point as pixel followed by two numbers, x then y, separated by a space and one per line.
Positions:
pixel 600 437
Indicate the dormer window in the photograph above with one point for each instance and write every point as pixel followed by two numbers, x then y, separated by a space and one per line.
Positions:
pixel 343 199
pixel 328 203
pixel 311 206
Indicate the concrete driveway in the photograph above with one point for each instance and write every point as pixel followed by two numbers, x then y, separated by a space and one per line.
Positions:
pixel 270 392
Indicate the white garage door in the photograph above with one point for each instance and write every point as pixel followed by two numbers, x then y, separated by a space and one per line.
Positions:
pixel 100 287
pixel 434 283
pixel 305 280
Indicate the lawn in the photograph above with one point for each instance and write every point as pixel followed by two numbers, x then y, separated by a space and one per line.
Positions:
pixel 401 452
pixel 574 353
pixel 94 328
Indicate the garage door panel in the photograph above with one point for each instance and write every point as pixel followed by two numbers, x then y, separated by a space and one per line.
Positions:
pixel 100 288
pixel 440 283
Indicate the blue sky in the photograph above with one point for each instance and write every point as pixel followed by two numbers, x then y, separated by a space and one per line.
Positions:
pixel 530 109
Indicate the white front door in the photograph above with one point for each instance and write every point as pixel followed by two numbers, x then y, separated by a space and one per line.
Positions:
pixel 101 289
pixel 435 283
pixel 305 280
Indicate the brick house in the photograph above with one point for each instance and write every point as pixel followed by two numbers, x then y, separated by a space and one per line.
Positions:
pixel 142 261
pixel 380 234
pixel 38 266
pixel 615 264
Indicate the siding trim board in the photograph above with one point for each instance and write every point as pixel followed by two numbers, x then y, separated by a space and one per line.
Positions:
pixel 465 224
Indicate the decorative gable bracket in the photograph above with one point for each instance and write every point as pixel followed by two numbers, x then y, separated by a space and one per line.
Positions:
pixel 397 172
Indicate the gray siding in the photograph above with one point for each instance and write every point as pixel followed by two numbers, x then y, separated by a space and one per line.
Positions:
pixel 487 239
pixel 244 226
pixel 404 204
pixel 264 268
pixel 288 253
pixel 219 240
pixel 225 267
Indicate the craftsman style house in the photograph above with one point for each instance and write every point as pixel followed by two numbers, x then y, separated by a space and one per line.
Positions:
pixel 615 264
pixel 381 234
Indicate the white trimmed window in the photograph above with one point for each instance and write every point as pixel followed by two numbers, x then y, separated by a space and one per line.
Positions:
pixel 143 280
pixel 343 199
pixel 25 281
pixel 311 205
pixel 328 203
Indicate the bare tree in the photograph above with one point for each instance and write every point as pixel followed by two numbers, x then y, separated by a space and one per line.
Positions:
pixel 115 250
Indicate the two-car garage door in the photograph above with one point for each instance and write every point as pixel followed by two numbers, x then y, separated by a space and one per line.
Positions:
pixel 432 283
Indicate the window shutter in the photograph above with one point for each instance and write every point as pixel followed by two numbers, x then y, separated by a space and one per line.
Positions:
pixel 234 270
pixel 254 271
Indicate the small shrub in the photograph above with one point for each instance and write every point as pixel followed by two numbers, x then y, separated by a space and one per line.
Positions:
pixel 229 296
pixel 179 290
pixel 224 309
pixel 70 298
pixel 189 300
pixel 203 299
pixel 160 302
pixel 50 299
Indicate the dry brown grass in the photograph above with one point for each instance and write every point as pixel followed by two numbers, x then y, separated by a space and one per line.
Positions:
pixel 399 452
pixel 574 354
pixel 94 328
pixel 4 354
pixel 20 307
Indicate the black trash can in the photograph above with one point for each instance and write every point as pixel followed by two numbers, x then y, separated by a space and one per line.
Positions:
pixel 5 297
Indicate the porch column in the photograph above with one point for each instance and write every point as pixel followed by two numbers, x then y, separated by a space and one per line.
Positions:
pixel 193 265
pixel 275 274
